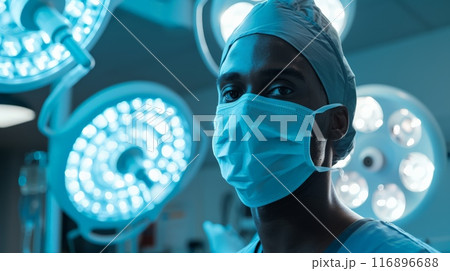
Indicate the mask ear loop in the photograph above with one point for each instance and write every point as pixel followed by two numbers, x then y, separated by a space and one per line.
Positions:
pixel 341 172
pixel 319 111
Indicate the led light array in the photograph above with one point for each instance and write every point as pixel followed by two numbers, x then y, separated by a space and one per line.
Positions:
pixel 392 161
pixel 93 183
pixel 232 16
pixel 25 54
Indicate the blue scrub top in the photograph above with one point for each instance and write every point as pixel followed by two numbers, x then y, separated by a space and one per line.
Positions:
pixel 366 236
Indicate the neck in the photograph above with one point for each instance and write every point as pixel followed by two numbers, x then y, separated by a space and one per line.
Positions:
pixel 306 221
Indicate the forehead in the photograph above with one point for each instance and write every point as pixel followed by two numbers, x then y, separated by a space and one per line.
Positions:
pixel 259 52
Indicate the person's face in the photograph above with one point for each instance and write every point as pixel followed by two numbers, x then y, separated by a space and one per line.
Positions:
pixel 252 64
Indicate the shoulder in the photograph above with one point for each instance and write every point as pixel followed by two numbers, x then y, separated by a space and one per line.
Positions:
pixel 385 237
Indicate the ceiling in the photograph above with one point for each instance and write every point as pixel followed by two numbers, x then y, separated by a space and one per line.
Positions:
pixel 383 21
pixel 119 57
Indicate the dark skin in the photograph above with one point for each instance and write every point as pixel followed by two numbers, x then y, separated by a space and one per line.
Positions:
pixel 288 225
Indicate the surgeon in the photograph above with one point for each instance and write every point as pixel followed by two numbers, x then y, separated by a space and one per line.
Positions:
pixel 286 102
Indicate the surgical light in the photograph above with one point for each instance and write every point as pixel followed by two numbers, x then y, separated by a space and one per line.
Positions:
pixel 34 50
pixel 232 17
pixel 339 12
pixel 123 154
pixel 368 115
pixel 343 162
pixel 226 15
pixel 13 112
pixel 398 159
pixel 416 172
pixel 352 189
pixel 389 202
pixel 405 128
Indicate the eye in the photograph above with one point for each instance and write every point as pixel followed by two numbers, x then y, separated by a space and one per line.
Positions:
pixel 231 94
pixel 280 91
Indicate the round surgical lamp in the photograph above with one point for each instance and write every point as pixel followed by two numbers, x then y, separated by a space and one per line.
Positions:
pixel 14 112
pixel 398 159
pixel 122 156
pixel 43 39
pixel 226 15
pixel 340 12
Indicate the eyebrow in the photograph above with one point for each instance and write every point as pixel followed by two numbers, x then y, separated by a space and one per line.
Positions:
pixel 227 77
pixel 271 73
pixel 289 72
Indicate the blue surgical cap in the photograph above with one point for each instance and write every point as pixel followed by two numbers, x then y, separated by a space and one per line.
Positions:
pixel 302 24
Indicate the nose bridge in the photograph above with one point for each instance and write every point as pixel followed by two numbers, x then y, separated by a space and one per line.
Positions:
pixel 250 86
pixel 255 82
pixel 256 89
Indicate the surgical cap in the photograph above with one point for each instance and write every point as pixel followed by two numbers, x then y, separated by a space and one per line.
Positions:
pixel 302 24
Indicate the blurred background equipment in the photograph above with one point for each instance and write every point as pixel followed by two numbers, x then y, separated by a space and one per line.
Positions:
pixel 235 230
pixel 223 239
pixel 33 186
pixel 225 15
pixel 399 158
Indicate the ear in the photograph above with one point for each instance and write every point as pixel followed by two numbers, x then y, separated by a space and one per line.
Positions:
pixel 339 123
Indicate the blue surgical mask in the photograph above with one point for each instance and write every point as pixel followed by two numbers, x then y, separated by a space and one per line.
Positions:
pixel 256 132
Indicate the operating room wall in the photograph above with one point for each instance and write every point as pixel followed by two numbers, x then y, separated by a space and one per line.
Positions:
pixel 419 65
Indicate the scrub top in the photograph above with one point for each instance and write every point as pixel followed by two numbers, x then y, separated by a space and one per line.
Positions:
pixel 366 236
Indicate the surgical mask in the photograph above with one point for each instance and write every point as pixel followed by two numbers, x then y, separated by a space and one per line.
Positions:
pixel 258 140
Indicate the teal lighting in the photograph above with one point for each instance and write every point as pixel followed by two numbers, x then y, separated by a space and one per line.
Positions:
pixel 122 156
pixel 30 59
